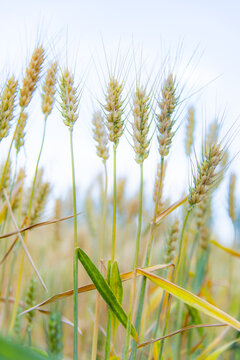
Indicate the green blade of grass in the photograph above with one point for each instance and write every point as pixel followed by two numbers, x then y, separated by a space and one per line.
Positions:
pixel 117 288
pixel 11 351
pixel 104 290
pixel 193 300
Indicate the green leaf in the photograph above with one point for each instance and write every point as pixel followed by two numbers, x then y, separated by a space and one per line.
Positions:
pixel 12 351
pixel 104 290
pixel 117 289
pixel 116 282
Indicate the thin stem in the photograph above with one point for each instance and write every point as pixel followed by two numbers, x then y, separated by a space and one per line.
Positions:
pixel 158 319
pixel 104 211
pixel 169 299
pixel 179 257
pixel 9 150
pixel 75 258
pixel 36 169
pixel 108 337
pixel 147 259
pixel 114 200
pixel 174 277
pixel 17 295
pixel 139 217
pixel 132 293
pixel 96 319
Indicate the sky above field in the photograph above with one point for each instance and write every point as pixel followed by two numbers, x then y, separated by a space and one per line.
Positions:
pixel 200 38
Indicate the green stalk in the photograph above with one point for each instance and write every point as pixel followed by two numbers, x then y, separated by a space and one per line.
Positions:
pixel 114 200
pixel 75 257
pixel 9 150
pixel 1 182
pixel 139 217
pixel 108 336
pixel 13 262
pixel 147 259
pixel 132 294
pixel 96 319
pixel 158 320
pixel 175 275
pixel 104 210
pixel 36 169
pixel 166 324
pixel 180 255
pixel 20 273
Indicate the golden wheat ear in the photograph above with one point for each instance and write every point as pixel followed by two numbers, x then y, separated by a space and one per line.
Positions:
pixel 49 89
pixel 100 136
pixel 190 130
pixel 7 105
pixel 31 77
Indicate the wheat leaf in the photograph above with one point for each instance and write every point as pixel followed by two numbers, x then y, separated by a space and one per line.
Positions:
pixel 192 300
pixel 104 290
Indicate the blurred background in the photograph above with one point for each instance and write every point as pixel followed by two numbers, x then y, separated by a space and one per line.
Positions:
pixel 198 41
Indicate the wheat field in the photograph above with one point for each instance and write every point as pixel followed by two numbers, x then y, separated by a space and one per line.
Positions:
pixel 114 275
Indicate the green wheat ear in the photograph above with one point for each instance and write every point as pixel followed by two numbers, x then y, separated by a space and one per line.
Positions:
pixel 55 335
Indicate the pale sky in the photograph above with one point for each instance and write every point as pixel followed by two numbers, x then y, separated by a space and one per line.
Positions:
pixel 77 30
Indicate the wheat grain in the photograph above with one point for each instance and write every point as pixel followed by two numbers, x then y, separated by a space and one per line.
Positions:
pixel 190 130
pixel 206 174
pixel 39 201
pixel 7 106
pixel 31 77
pixel 20 134
pixel 164 120
pixel 114 108
pixel 100 136
pixel 69 99
pixel 141 112
pixel 158 190
pixel 49 89
pixel 171 242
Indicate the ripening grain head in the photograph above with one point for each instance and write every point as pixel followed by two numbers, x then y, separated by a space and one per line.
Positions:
pixel 31 78
pixel 114 110
pixel 141 112
pixel 7 106
pixel 100 136
pixel 20 134
pixel 190 130
pixel 158 189
pixel 69 99
pixel 171 242
pixel 165 120
pixel 49 89
pixel 206 175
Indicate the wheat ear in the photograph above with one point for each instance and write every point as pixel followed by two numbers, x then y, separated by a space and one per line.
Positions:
pixel 31 77
pixel 69 109
pixel 7 105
